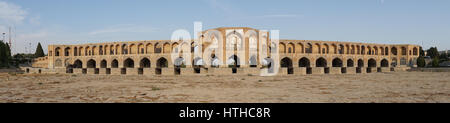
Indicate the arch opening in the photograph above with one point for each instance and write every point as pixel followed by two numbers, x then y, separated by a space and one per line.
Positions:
pixel 128 63
pixel 321 62
pixel 145 63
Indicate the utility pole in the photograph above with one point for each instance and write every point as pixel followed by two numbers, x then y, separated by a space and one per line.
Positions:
pixel 10 45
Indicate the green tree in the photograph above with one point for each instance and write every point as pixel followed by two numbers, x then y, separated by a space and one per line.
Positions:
pixel 433 52
pixel 435 62
pixel 4 58
pixel 421 61
pixel 8 51
pixel 39 51
pixel 422 53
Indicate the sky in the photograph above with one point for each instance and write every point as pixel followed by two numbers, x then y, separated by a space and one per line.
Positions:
pixel 422 22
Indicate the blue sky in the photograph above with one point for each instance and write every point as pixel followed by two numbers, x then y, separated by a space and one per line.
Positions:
pixel 420 22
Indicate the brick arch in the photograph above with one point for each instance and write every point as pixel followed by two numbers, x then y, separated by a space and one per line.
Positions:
pixel 282 48
pixel 290 48
pixel 167 48
pixel 58 51
pixel 141 48
pixel 162 62
pixel 325 49
pixel 337 62
pixel 91 63
pixel 300 48
pixel 350 63
pixel 145 63
pixel 78 64
pixel 149 48
pixel 128 63
pixel 304 62
pixel 321 62
pixel 104 63
pixel 115 63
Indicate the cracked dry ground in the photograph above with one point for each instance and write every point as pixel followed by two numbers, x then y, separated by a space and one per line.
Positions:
pixel 415 87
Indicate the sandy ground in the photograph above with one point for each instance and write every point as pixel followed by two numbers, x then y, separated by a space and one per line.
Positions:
pixel 415 87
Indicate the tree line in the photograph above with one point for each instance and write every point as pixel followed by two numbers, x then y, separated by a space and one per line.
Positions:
pixel 9 61
pixel 434 54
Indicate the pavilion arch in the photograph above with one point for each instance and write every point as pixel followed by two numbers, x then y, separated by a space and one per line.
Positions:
pixel 175 47
pixel 350 63
pixel 290 48
pixel 132 49
pixel 384 63
pixel 300 48
pixel 369 50
pixel 363 50
pixel 117 50
pixel 158 48
pixel 333 49
pixel 141 49
pixel 341 49
pixel 124 49
pixel 352 49
pixel 360 63
pixel 67 51
pixel 326 49
pixel 128 63
pixel 105 50
pixel 358 49
pixel 282 48
pixel 150 48
pixel 103 64
pixel 162 63
pixel 337 62
pixel 382 51
pixel 372 63
pixel 404 52
pixel 91 63
pixel 321 62
pixel 144 63
pixel 309 48
pixel 304 62
pixel 394 51
pixel 347 49
pixel 115 63
pixel 100 50
pixel 375 50
pixel 415 51
pixel 316 48
pixel 75 51
pixel 87 51
pixel 93 50
pixel 166 48
pixel 57 51
pixel 78 64
pixel 386 51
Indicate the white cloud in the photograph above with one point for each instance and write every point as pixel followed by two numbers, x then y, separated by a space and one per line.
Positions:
pixel 11 13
